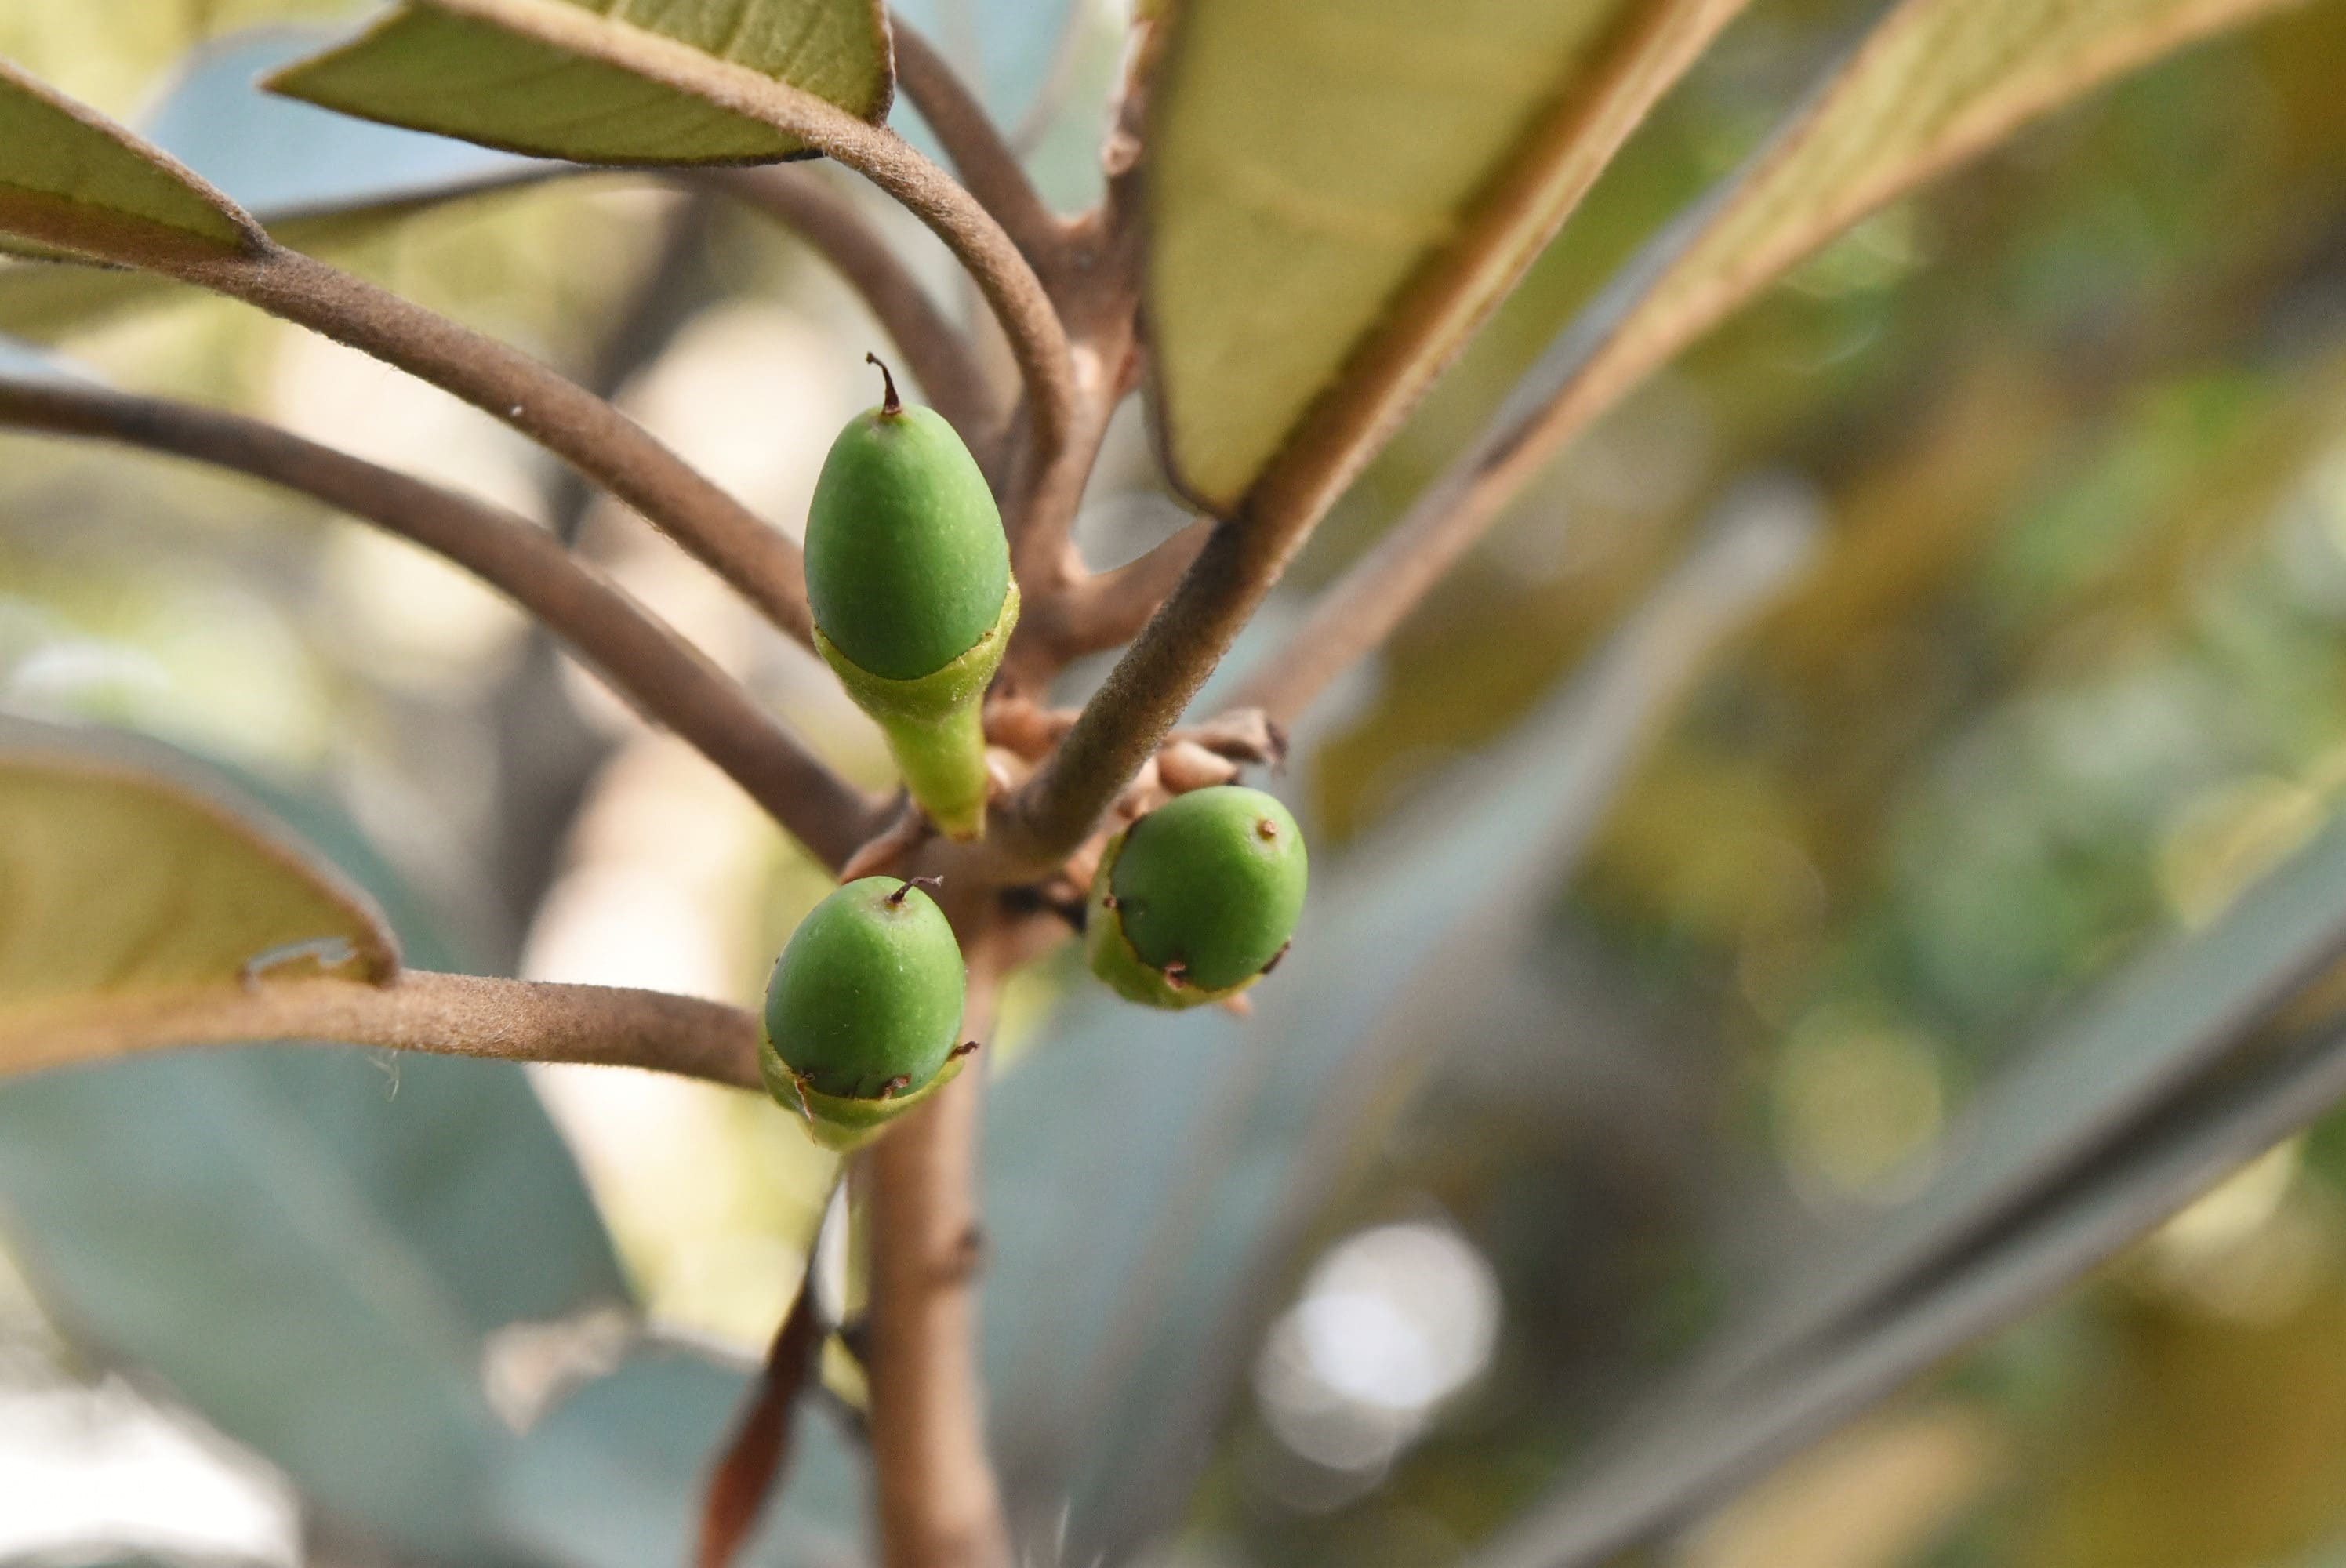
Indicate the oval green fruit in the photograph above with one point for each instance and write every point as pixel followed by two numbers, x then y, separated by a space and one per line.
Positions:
pixel 906 565
pixel 1196 900
pixel 863 1007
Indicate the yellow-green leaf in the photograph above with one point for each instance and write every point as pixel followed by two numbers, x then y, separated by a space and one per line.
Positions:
pixel 129 885
pixel 74 181
pixel 1935 83
pixel 1341 189
pixel 430 69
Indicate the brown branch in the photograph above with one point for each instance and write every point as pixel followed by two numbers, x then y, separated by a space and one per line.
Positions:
pixel 1122 724
pixel 641 657
pixel 933 349
pixel 939 1506
pixel 1106 609
pixel 982 158
pixel 443 1015
pixel 1038 340
pixel 676 285
pixel 733 541
pixel 1097 283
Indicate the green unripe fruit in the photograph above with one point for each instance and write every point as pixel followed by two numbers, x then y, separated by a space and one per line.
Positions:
pixel 1199 899
pixel 908 574
pixel 862 1010
pixel 906 564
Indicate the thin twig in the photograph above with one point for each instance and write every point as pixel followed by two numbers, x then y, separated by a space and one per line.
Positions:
pixel 982 158
pixel 1001 271
pixel 758 559
pixel 642 657
pixel 939 1506
pixel 932 348
pixel 1127 718
pixel 673 289
pixel 443 1015
pixel 1106 609
pixel 1096 283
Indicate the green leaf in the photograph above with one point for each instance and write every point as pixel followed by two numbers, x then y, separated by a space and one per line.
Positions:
pixel 2137 1046
pixel 612 1477
pixel 129 884
pixel 317 181
pixel 322 1251
pixel 1205 1154
pixel 1713 1433
pixel 286 161
pixel 1339 191
pixel 430 70
pixel 1935 83
pixel 73 180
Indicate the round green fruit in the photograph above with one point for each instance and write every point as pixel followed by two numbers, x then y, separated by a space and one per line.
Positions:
pixel 906 565
pixel 862 1009
pixel 1198 900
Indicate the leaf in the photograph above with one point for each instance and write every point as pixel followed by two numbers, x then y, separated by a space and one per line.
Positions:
pixel 286 161
pixel 611 1477
pixel 322 1252
pixel 76 181
pixel 128 883
pixel 315 180
pixel 1205 1152
pixel 1007 50
pixel 1936 82
pixel 2133 1105
pixel 1341 189
pixel 458 76
pixel 1702 1445
pixel 2127 1052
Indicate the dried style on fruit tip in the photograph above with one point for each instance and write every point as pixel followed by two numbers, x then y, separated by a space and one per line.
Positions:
pixel 1198 900
pixel 863 1010
pixel 908 574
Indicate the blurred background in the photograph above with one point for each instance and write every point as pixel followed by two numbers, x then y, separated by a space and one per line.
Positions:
pixel 2069 673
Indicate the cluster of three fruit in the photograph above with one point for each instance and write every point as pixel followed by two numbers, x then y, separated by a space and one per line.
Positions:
pixel 908 575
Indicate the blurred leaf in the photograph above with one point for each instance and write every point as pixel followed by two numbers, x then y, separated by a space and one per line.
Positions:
pixel 1341 189
pixel 431 71
pixel 611 1478
pixel 23 361
pixel 1006 50
pixel 1159 1169
pixel 2132 1049
pixel 324 1253
pixel 72 180
pixel 1696 1447
pixel 129 888
pixel 1935 83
